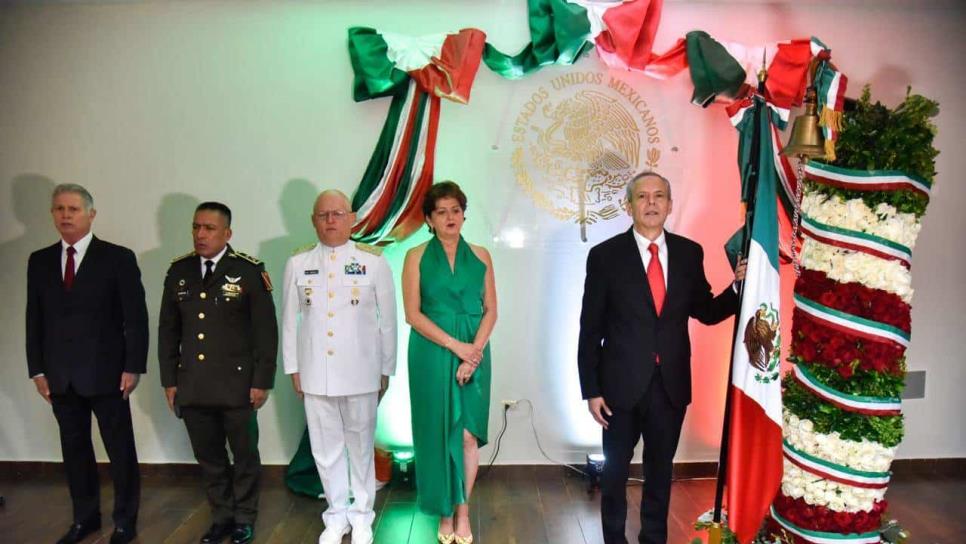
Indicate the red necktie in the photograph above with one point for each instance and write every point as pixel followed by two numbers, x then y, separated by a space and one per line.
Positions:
pixel 655 278
pixel 69 268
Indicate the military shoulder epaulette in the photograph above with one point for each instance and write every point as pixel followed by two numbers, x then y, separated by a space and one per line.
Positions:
pixel 247 257
pixel 303 249
pixel 375 250
pixel 183 257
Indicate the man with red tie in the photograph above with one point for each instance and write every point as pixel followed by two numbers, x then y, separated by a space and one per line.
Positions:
pixel 87 345
pixel 634 352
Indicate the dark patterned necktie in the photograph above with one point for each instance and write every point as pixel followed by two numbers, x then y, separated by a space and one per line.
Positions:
pixel 208 266
pixel 69 268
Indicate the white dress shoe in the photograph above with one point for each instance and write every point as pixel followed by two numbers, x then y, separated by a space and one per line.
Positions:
pixel 333 535
pixel 362 535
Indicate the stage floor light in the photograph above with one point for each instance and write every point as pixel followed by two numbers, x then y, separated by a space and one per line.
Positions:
pixel 403 468
pixel 594 467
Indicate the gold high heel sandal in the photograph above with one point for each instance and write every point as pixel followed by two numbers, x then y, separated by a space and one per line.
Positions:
pixel 446 539
pixel 464 539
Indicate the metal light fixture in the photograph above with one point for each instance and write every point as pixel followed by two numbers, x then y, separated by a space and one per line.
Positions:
pixel 403 468
pixel 594 467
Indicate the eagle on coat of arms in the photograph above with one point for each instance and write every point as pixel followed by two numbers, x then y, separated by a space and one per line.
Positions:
pixel 759 339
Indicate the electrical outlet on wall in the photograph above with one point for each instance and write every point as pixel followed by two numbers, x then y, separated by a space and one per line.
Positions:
pixel 915 385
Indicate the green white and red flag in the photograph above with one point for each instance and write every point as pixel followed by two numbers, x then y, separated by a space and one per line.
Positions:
pixel 755 459
pixel 417 72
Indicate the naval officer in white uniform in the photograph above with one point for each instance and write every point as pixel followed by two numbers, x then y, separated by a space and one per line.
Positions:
pixel 339 346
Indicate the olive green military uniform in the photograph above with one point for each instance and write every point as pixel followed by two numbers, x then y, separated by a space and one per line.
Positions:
pixel 218 339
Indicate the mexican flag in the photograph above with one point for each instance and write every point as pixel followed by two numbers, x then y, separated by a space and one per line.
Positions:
pixel 754 468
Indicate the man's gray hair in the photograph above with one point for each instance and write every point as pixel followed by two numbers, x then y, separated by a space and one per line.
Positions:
pixel 77 190
pixel 629 190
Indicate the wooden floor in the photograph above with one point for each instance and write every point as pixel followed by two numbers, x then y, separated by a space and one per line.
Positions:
pixel 512 505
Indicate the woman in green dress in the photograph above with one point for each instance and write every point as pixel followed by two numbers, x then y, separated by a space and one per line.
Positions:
pixel 450 301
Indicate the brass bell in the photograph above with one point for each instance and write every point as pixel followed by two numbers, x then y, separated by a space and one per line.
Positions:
pixel 807 140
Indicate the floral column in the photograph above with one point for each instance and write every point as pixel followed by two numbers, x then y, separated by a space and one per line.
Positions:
pixel 842 410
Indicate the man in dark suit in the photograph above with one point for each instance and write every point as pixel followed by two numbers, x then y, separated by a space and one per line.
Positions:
pixel 87 344
pixel 217 343
pixel 634 353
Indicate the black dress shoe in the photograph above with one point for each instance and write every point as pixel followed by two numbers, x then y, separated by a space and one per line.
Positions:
pixel 243 533
pixel 78 531
pixel 123 536
pixel 217 532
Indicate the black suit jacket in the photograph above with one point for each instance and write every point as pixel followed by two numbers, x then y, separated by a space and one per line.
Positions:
pixel 620 332
pixel 88 336
pixel 217 339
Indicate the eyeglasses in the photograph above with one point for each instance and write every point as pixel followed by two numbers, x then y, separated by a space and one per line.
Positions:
pixel 336 215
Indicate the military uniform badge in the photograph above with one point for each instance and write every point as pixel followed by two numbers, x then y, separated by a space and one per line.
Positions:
pixel 354 268
pixel 355 296
pixel 232 289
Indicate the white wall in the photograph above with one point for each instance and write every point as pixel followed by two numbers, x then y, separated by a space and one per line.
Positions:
pixel 157 106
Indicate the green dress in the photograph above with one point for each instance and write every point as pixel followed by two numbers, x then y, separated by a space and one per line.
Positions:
pixel 441 409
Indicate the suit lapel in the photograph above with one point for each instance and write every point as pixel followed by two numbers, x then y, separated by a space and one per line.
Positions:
pixel 54 275
pixel 89 261
pixel 674 278
pixel 636 271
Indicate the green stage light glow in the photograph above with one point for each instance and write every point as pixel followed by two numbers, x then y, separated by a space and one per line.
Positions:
pixel 403 456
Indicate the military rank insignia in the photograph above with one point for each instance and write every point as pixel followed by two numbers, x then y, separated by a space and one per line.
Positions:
pixel 267 281
pixel 354 268
pixel 355 297
pixel 232 289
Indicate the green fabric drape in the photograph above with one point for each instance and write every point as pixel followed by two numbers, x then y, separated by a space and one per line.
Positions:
pixel 380 155
pixel 301 475
pixel 558 35
pixel 713 70
pixel 374 74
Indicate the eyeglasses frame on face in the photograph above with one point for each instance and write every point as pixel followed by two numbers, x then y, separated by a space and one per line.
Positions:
pixel 337 215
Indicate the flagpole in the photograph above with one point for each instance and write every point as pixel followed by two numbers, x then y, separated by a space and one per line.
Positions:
pixel 754 159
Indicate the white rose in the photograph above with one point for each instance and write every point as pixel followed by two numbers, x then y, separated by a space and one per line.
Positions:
pixel 816 486
pixel 885 209
pixel 810 498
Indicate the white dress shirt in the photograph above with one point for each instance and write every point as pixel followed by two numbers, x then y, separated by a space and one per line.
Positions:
pixel 80 249
pixel 214 260
pixel 642 245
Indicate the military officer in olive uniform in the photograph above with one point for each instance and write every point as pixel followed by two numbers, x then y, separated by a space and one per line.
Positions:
pixel 339 346
pixel 217 344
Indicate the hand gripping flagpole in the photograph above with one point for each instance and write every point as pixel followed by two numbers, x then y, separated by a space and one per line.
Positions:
pixel 715 534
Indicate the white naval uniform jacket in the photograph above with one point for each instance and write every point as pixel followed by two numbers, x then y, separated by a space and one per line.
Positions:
pixel 339 320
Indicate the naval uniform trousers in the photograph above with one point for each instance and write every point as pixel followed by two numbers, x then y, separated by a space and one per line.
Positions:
pixel 342 433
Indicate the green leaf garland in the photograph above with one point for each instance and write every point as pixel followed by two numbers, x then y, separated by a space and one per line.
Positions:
pixel 862 382
pixel 874 137
pixel 828 418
